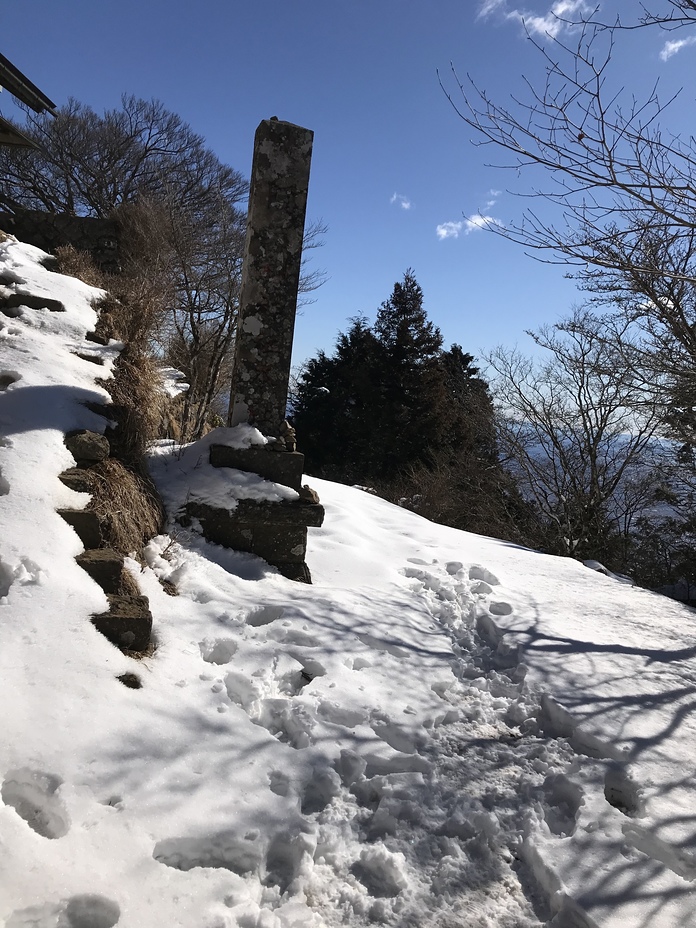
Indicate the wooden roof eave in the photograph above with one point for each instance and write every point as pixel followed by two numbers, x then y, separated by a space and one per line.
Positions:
pixel 9 135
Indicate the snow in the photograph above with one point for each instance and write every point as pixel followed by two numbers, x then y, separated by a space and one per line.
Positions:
pixel 183 475
pixel 444 729
pixel 173 381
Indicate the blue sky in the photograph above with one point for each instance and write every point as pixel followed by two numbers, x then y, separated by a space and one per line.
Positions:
pixel 392 162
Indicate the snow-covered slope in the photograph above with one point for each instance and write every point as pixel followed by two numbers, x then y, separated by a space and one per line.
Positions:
pixel 444 730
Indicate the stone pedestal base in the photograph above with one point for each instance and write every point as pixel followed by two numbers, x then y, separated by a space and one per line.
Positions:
pixel 277 532
pixel 284 467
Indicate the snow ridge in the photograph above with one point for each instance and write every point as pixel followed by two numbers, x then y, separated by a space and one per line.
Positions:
pixel 444 730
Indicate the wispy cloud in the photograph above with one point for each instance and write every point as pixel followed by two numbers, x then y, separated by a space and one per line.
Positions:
pixel 671 48
pixel 477 221
pixel 465 226
pixel 449 230
pixel 403 201
pixel 490 6
pixel 549 24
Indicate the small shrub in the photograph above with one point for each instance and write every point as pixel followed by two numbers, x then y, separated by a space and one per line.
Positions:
pixel 127 505
pixel 79 264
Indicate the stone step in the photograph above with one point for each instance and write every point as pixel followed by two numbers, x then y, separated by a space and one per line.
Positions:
pixel 79 479
pixel 127 624
pixel 105 567
pixel 86 446
pixel 284 467
pixel 263 512
pixel 86 524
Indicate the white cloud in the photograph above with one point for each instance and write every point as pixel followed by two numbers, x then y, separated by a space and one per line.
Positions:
pixel 449 230
pixel 549 24
pixel 671 48
pixel 473 223
pixel 467 225
pixel 490 6
pixel 403 201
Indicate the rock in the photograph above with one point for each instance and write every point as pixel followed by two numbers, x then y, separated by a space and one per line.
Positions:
pixel 285 467
pixel 32 301
pixel 127 624
pixel 87 446
pixel 86 524
pixel 104 566
pixel 78 479
pixel 97 338
pixel 297 572
pixel 289 436
pixel 308 495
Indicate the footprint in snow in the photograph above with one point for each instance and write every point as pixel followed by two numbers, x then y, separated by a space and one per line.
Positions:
pixel 563 799
pixel 26 572
pixel 217 650
pixel 319 791
pixel 226 850
pixel 85 911
pixel 264 615
pixel 622 792
pixel 476 572
pixel 32 794
pixel 7 378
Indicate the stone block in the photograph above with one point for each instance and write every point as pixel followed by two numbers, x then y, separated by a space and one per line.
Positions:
pixel 104 566
pixel 86 524
pixel 32 301
pixel 127 624
pixel 291 512
pixel 79 479
pixel 298 572
pixel 284 467
pixel 87 446
pixel 274 541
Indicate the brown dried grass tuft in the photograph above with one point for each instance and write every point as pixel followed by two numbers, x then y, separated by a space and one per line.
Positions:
pixel 127 505
pixel 79 264
pixel 138 404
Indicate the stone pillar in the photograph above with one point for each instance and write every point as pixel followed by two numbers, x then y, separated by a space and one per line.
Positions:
pixel 270 276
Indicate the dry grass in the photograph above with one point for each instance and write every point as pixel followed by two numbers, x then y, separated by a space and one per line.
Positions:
pixel 133 307
pixel 127 506
pixel 138 403
pixel 79 264
pixel 149 651
pixel 130 311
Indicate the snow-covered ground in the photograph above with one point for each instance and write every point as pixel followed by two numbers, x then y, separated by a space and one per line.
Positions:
pixel 443 730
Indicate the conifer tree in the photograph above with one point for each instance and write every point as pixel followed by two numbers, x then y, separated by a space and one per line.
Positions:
pixel 391 399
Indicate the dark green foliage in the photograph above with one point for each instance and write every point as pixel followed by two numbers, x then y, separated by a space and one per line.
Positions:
pixel 393 409
pixel 333 409
pixel 376 406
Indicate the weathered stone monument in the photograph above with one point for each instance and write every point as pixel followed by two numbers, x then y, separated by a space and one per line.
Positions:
pixel 270 279
pixel 271 274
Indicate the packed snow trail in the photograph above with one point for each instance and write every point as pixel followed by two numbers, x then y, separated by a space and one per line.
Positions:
pixel 444 730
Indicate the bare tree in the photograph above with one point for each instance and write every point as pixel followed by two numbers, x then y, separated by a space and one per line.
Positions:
pixel 182 218
pixel 576 433
pixel 611 170
pixel 89 164
pixel 617 195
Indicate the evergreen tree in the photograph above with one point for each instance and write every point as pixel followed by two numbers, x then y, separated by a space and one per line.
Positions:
pixel 412 383
pixel 334 409
pixel 393 409
pixel 390 398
